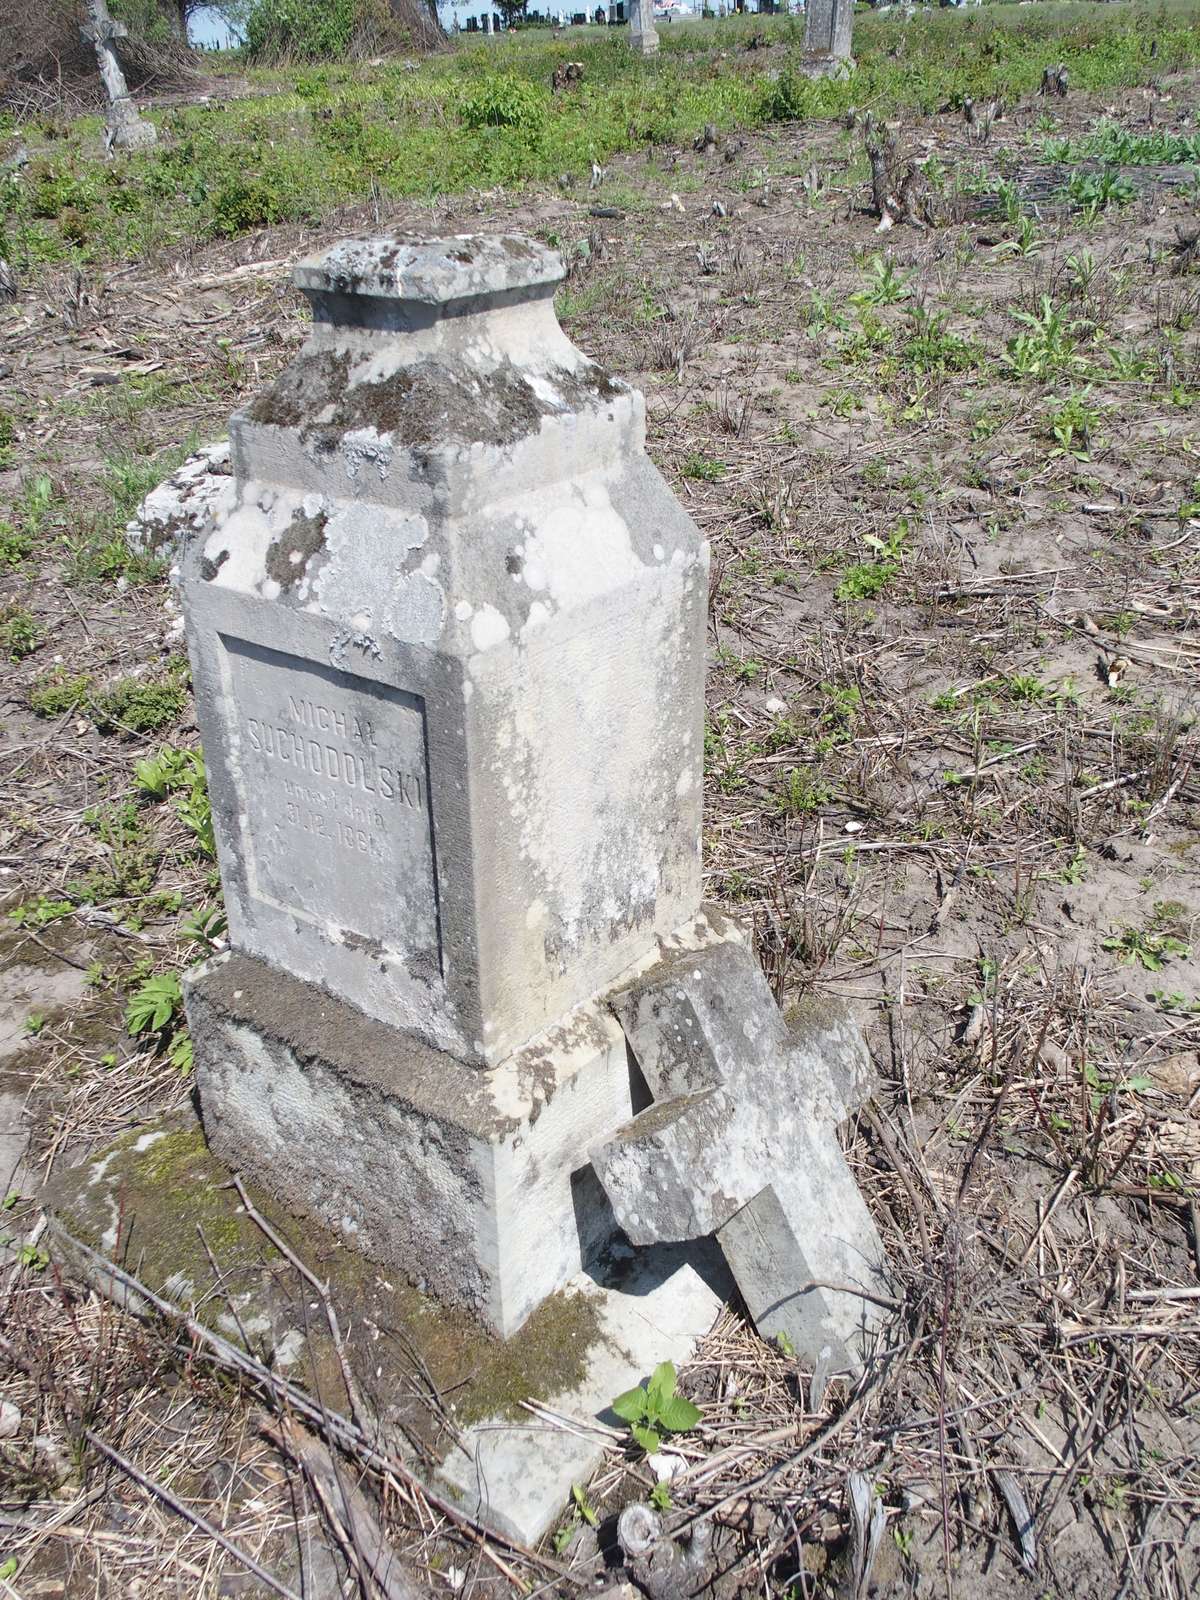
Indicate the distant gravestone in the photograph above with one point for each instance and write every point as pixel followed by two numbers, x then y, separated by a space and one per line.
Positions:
pixel 126 128
pixel 643 36
pixel 827 31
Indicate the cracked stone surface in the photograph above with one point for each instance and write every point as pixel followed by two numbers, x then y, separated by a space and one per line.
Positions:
pixel 183 505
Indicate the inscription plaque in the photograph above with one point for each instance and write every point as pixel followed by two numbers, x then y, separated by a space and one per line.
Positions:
pixel 334 784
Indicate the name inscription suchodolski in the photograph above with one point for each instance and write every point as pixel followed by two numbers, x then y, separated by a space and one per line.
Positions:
pixel 334 780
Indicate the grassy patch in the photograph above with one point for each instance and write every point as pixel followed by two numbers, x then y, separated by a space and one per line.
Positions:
pixel 323 136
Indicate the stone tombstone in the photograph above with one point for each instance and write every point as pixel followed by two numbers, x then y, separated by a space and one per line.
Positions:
pixel 643 36
pixel 447 628
pixel 827 28
pixel 124 128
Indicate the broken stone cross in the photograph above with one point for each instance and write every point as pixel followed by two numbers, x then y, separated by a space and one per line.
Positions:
pixel 126 128
pixel 643 35
pixel 741 1142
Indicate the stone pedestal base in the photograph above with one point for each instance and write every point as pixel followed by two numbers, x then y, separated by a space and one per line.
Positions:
pixel 476 1185
pixel 827 66
pixel 159 1205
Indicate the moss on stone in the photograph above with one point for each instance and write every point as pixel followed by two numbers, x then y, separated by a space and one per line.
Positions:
pixel 546 1357
pixel 172 1189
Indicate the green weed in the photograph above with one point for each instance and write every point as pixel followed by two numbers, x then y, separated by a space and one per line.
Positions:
pixel 702 467
pixel 155 1012
pixel 885 285
pixel 58 692
pixel 20 633
pixel 1048 344
pixel 1093 192
pixel 1145 948
pixel 655 1409
pixel 142 705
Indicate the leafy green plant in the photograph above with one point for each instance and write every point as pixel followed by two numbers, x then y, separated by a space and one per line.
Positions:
pixel 1048 344
pixel 1026 688
pixel 802 793
pixel 37 913
pixel 131 855
pixel 1149 950
pixel 1027 240
pixel 885 285
pixel 932 349
pixel 1118 146
pixel 654 1409
pixel 57 692
pixel 502 100
pixel 205 926
pixel 582 1511
pixel 1073 423
pixel 864 580
pixel 181 773
pixel 20 633
pixel 1081 271
pixel 169 768
pixel 155 1010
pixel 142 705
pixel 1092 192
pixel 867 579
pixel 702 467
pixel 15 545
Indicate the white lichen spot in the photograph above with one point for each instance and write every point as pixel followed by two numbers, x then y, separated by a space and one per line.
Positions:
pixel 580 545
pixel 489 627
pixel 659 552
pixel 146 1140
pixel 539 613
pixel 289 1349
pixel 463 610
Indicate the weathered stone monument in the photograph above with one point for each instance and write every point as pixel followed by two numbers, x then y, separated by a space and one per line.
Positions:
pixel 827 30
pixel 447 626
pixel 126 128
pixel 643 35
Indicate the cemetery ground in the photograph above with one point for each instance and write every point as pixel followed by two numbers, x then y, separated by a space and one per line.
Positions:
pixel 951 475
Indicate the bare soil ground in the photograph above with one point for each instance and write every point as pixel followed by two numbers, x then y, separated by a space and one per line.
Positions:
pixel 951 769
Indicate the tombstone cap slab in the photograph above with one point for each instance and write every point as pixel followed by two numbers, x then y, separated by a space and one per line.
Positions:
pixel 433 272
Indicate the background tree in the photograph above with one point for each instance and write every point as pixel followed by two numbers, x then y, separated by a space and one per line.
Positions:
pixel 48 67
pixel 337 30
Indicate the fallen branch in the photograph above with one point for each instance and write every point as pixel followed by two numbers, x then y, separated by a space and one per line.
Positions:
pixel 349 1514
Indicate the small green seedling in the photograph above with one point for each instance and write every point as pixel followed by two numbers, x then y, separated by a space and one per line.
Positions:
pixel 654 1409
pixel 660 1497
pixel 582 1510
pixel 1149 950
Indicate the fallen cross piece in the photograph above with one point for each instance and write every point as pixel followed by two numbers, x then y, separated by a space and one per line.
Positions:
pixel 741 1142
